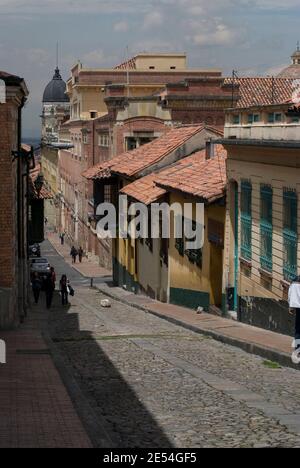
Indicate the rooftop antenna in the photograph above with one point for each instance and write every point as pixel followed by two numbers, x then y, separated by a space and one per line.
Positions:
pixel 298 46
pixel 57 54
pixel 127 71
pixel 234 76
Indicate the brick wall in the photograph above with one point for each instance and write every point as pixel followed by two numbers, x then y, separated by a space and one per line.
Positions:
pixel 13 213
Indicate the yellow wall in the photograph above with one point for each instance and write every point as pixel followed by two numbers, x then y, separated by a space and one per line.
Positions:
pixel 182 273
pixel 161 62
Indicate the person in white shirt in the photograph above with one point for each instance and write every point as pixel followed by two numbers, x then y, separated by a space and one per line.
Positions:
pixel 294 304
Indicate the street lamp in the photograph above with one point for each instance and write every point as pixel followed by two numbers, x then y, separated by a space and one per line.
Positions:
pixel 39 182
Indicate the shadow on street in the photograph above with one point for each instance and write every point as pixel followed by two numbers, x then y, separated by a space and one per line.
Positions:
pixel 127 420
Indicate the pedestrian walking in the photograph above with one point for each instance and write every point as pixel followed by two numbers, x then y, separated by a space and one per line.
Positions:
pixel 294 304
pixel 53 277
pixel 36 287
pixel 80 254
pixel 63 285
pixel 73 254
pixel 49 291
pixel 62 238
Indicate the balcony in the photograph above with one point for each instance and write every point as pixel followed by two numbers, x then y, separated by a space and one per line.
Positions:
pixel 263 131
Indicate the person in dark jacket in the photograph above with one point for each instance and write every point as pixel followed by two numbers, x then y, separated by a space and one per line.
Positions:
pixel 36 287
pixel 73 254
pixel 53 277
pixel 49 290
pixel 63 284
pixel 80 254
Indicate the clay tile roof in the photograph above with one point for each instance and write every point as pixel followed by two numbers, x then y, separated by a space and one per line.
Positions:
pixel 101 170
pixel 132 162
pixel 141 158
pixel 197 176
pixel 144 190
pixel 129 64
pixel 262 91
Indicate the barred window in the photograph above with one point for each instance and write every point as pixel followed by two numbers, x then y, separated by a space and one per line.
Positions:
pixel 290 234
pixel 266 227
pixel 246 220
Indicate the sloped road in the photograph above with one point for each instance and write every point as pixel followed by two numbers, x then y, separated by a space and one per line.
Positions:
pixel 149 383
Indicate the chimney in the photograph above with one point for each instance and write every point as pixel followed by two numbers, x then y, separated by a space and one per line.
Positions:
pixel 210 149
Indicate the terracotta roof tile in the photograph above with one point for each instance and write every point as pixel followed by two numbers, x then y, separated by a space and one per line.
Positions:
pixel 128 65
pixel 132 162
pixel 262 91
pixel 135 161
pixel 144 190
pixel 197 176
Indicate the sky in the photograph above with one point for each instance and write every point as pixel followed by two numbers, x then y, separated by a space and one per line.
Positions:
pixel 253 37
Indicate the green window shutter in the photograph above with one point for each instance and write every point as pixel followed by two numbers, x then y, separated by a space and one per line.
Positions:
pixel 290 234
pixel 246 220
pixel 266 228
pixel 271 118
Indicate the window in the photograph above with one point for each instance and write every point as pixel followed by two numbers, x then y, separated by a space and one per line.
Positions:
pixel 194 255
pixel 253 118
pixel 271 118
pixel 103 140
pixel 149 240
pixel 236 120
pixel 179 242
pixel 266 227
pixel 274 117
pixel 246 220
pixel 131 143
pixel 85 138
pixel 290 234
pixel 107 194
pixel 164 243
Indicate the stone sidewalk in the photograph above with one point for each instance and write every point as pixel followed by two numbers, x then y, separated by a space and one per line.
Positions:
pixel 88 268
pixel 36 410
pixel 270 345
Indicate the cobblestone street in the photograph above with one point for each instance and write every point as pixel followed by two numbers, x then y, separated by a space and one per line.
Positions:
pixel 150 383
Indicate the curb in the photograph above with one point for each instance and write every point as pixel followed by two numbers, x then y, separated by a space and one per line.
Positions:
pixel 270 354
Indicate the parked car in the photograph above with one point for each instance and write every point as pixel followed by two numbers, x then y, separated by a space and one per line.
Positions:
pixel 41 266
pixel 35 250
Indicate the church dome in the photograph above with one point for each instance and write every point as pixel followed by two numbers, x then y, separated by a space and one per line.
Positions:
pixel 293 71
pixel 55 91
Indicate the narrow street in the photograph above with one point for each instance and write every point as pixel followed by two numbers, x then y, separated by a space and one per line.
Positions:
pixel 138 381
